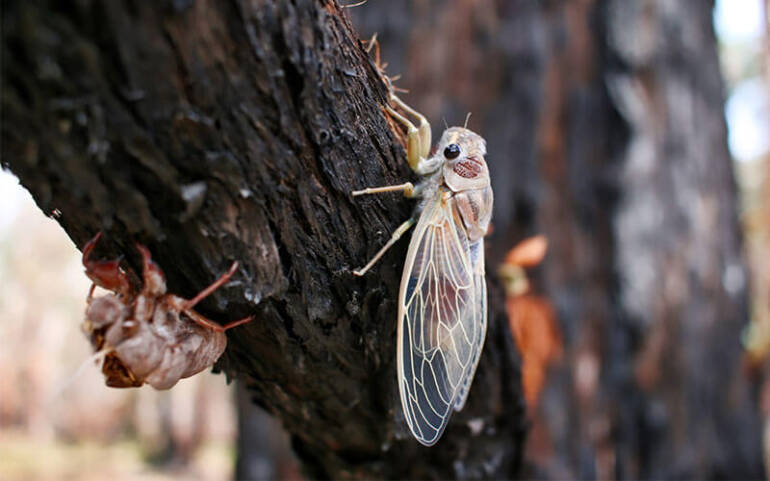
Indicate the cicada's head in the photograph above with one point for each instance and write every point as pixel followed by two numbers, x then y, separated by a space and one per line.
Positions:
pixel 463 154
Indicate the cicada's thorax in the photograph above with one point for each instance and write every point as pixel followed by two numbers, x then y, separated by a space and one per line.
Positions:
pixel 466 177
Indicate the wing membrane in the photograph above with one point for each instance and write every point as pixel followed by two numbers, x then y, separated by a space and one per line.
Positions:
pixel 480 287
pixel 442 320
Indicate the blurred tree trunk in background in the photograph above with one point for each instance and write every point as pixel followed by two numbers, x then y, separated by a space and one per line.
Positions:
pixel 605 132
pixel 263 446
pixel 219 131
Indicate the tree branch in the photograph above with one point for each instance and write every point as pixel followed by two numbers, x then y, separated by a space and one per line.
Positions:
pixel 221 131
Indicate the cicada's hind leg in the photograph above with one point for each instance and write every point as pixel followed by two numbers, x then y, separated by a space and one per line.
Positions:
pixel 417 138
pixel 393 238
pixel 409 191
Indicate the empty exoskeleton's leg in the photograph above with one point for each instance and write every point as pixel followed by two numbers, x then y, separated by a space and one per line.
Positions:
pixel 206 322
pixel 105 274
pixel 190 303
pixel 187 305
pixel 393 238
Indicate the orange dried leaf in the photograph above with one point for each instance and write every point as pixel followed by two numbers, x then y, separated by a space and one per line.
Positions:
pixel 529 252
pixel 533 324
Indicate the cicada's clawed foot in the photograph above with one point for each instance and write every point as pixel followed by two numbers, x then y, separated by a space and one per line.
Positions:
pixel 393 238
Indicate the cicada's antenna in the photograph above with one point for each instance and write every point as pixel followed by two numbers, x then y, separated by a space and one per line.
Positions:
pixel 467 117
pixel 357 4
pixel 446 125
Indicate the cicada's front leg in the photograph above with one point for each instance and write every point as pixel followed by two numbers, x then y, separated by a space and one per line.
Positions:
pixel 417 150
pixel 417 138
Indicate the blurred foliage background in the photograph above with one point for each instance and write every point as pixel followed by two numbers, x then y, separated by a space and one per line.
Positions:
pixel 59 422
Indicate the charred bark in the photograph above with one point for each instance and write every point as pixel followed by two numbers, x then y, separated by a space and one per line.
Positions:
pixel 605 131
pixel 221 131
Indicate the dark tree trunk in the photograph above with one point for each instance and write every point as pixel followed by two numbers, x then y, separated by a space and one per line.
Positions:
pixel 214 131
pixel 605 130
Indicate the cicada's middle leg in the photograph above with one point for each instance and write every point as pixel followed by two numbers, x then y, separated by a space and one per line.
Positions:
pixel 407 187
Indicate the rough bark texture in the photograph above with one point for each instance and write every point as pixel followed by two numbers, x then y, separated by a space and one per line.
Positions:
pixel 605 131
pixel 214 131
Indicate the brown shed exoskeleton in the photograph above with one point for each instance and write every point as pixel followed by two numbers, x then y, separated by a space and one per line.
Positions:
pixel 442 312
pixel 149 336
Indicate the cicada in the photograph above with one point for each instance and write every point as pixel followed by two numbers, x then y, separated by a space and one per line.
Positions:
pixel 147 335
pixel 442 302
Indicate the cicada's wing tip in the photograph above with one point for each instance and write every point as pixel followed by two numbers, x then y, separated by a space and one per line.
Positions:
pixel 428 442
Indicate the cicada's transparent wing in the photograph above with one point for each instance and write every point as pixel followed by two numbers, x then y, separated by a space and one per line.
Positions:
pixel 480 287
pixel 442 320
